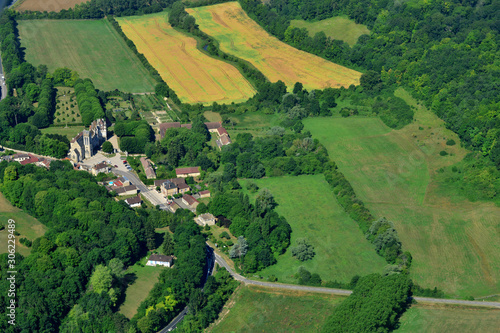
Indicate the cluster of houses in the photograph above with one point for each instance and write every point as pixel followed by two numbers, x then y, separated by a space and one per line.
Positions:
pixel 122 187
pixel 25 159
pixel 213 127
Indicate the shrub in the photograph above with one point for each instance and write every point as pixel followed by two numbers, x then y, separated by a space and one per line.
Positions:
pixel 443 153
pixel 450 142
pixel 225 235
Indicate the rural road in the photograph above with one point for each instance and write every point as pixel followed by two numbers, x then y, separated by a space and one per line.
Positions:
pixel 240 278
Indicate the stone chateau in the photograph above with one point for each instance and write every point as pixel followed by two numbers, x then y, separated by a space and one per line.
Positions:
pixel 85 143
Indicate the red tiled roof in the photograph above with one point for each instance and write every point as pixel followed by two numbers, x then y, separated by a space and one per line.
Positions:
pixel 204 192
pixel 213 125
pixel 166 126
pixel 222 131
pixel 133 200
pixel 183 171
pixel 189 199
pixel 225 140
pixel 30 160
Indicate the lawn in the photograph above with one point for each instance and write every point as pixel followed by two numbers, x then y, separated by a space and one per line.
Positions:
pixel 193 75
pixel 442 318
pixel 338 27
pixel 46 5
pixel 26 225
pixel 242 37
pixel 308 204
pixel 455 243
pixel 70 132
pixel 259 309
pixel 141 281
pixel 91 47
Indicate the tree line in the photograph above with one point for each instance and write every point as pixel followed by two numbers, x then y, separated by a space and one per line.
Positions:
pixel 88 103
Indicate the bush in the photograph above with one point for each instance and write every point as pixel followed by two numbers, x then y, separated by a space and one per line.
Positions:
pixel 303 251
pixel 451 142
pixel 225 235
pixel 443 153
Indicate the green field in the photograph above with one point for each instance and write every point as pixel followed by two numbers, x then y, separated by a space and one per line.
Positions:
pixel 441 319
pixel 70 132
pixel 91 47
pixel 308 204
pixel 258 309
pixel 455 243
pixel 26 225
pixel 339 27
pixel 141 281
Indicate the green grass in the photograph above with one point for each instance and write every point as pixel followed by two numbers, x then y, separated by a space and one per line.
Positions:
pixel 26 225
pixel 335 27
pixel 91 47
pixel 142 280
pixel 257 309
pixel 440 319
pixel 67 111
pixel 70 132
pixel 310 208
pixel 455 243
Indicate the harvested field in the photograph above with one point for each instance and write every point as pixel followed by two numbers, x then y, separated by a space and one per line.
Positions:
pixel 46 5
pixel 194 76
pixel 91 47
pixel 244 38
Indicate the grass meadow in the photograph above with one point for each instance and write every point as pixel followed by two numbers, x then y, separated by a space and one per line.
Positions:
pixel 455 243
pixel 308 204
pixel 338 27
pixel 193 75
pixel 70 132
pixel 260 309
pixel 240 36
pixel 26 225
pixel 434 318
pixel 91 47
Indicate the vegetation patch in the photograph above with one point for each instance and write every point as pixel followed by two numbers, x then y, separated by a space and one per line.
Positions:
pixel 66 108
pixel 70 132
pixel 46 6
pixel 240 36
pixel 194 76
pixel 341 250
pixel 258 309
pixel 92 48
pixel 338 27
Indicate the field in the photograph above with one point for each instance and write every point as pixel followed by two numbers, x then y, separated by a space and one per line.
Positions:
pixel 70 132
pixel 338 27
pixel 91 47
pixel 46 5
pixel 258 309
pixel 242 37
pixel 193 75
pixel 454 243
pixel 67 111
pixel 26 225
pixel 441 319
pixel 308 204
pixel 141 281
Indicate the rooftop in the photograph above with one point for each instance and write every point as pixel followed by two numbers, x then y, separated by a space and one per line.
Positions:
pixel 133 200
pixel 183 171
pixel 160 257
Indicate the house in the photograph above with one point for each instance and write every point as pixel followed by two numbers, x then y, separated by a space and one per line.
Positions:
pixel 158 182
pixel 148 169
pixel 182 187
pixel 126 190
pixel 205 219
pixel 188 172
pixel 168 188
pixel 134 201
pixel 172 206
pixel 222 131
pixel 85 143
pixel 98 168
pixel 31 159
pixel 20 157
pixel 44 162
pixel 204 194
pixel 213 126
pixel 124 180
pixel 160 259
pixel 190 201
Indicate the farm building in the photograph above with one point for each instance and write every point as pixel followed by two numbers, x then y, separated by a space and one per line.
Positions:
pixel 134 201
pixel 187 172
pixel 160 259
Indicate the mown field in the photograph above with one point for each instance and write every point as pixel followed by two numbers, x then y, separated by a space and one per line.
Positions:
pixel 70 132
pixel 242 37
pixel 46 5
pixel 91 47
pixel 26 225
pixel 308 204
pixel 258 309
pixel 194 76
pixel 455 243
pixel 441 319
pixel 338 27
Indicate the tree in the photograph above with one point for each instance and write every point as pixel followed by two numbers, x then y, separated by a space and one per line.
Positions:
pixel 107 147
pixel 239 249
pixel 167 247
pixel 201 208
pixel 101 279
pixel 265 201
pixel 303 251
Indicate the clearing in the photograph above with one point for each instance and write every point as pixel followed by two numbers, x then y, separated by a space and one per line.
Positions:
pixel 46 5
pixel 448 318
pixel 454 243
pixel 242 37
pixel 308 204
pixel 26 225
pixel 70 132
pixel 260 309
pixel 193 75
pixel 91 47
pixel 338 27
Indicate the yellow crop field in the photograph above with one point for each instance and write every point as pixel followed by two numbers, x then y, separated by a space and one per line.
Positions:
pixel 240 36
pixel 194 76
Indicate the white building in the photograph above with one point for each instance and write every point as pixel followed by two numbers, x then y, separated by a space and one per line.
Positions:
pixel 160 259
